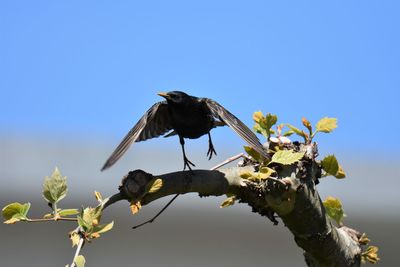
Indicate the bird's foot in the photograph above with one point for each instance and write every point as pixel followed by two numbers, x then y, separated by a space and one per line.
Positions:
pixel 211 151
pixel 187 163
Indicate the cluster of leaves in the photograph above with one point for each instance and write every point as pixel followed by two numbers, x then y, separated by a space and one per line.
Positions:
pixel 283 157
pixel 335 211
pixel 16 212
pixel 370 255
pixel 263 125
pixel 282 153
pixel 54 190
pixel 89 221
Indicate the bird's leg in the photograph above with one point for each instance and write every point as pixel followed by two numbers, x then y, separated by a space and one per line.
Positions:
pixel 211 149
pixel 186 161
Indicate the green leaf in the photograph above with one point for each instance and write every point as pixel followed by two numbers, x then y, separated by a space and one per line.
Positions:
pixel 254 154
pixel 89 218
pixel 330 165
pixel 82 223
pixel 228 202
pixel 287 157
pixel 55 187
pixel 370 255
pixel 258 116
pixel 326 125
pixel 68 212
pixel 263 124
pixel 266 172
pixel 80 261
pixel 75 237
pixel 263 174
pixel 340 173
pixel 334 209
pixel 297 131
pixel 288 133
pixel 246 175
pixel 258 129
pixel 15 212
pixel 154 185
pixel 102 228
pixel 270 120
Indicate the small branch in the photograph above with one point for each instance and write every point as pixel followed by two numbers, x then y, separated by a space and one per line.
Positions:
pixel 229 160
pixel 78 249
pixel 52 219
pixel 55 210
pixel 158 214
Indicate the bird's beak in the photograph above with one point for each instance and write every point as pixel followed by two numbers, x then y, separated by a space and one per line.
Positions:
pixel 165 95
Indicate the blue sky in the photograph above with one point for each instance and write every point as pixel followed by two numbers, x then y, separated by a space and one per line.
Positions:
pixel 91 68
pixel 76 75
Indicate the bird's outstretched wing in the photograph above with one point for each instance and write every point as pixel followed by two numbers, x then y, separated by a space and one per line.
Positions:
pixel 239 127
pixel 155 122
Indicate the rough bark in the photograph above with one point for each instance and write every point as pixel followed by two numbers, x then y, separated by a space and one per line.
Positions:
pixel 291 195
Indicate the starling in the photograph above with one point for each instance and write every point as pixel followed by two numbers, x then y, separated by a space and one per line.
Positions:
pixel 188 117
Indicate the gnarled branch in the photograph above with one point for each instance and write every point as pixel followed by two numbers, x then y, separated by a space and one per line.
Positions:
pixel 292 195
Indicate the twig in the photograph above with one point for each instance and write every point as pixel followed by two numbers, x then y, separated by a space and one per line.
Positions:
pixel 158 214
pixel 229 160
pixel 78 249
pixel 53 219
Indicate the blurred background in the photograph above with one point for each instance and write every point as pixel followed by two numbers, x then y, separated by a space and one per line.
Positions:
pixel 76 76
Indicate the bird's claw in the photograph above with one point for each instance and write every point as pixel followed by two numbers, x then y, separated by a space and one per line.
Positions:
pixel 211 151
pixel 187 164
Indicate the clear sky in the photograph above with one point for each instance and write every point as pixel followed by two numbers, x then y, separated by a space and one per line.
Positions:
pixel 91 68
pixel 76 75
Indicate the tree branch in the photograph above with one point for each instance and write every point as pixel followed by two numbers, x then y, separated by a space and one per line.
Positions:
pixel 292 195
pixel 78 249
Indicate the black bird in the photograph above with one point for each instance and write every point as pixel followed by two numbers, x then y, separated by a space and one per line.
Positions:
pixel 188 117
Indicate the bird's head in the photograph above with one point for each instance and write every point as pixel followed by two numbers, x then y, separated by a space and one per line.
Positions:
pixel 175 97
